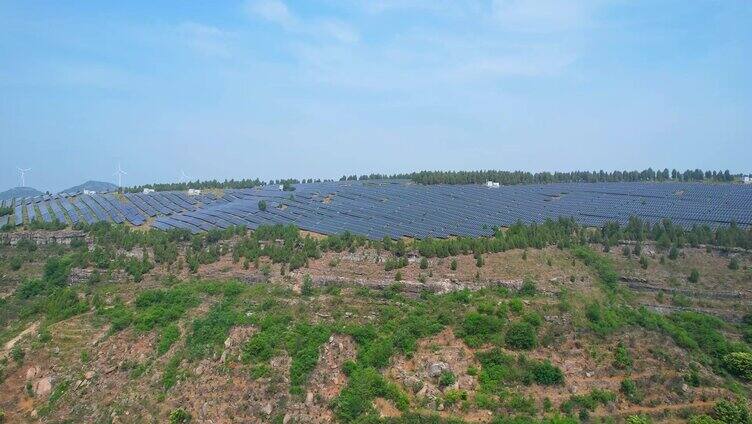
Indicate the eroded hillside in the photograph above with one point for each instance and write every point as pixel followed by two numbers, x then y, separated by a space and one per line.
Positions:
pixel 553 324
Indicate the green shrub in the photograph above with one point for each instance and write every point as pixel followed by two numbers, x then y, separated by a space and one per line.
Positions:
pixel 179 416
pixel 732 412
pixel 170 335
pixel 733 264
pixel 739 364
pixel 423 263
pixel 546 374
pixel 643 262
pixel 209 332
pixel 638 419
pixel 365 384
pixel 17 353
pixel 478 328
pixel 528 287
pixel 520 335
pixel 15 263
pixel 630 391
pixel 694 276
pixel 453 265
pixel 622 358
pixel 447 378
pixel 306 289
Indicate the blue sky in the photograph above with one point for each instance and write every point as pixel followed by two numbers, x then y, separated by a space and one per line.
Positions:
pixel 274 88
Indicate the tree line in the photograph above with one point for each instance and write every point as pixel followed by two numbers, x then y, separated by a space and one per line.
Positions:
pixel 468 177
pixel 524 177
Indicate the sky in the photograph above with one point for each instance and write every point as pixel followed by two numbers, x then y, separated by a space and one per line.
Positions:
pixel 281 88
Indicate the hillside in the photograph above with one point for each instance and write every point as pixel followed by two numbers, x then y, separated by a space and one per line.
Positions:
pixel 533 326
pixel 97 186
pixel 19 192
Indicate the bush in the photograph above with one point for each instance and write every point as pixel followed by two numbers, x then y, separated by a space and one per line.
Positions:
pixel 478 328
pixel 423 263
pixel 673 253
pixel 180 416
pixel 546 374
pixel 453 265
pixel 17 354
pixel 528 287
pixel 739 364
pixel 732 413
pixel 520 335
pixel 306 289
pixel 694 276
pixel 15 263
pixel 629 388
pixel 447 378
pixel 622 358
pixel 643 262
pixel 638 419
pixel 733 264
pixel 262 205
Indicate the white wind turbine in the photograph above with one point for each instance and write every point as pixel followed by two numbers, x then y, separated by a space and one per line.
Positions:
pixel 23 172
pixel 183 177
pixel 119 173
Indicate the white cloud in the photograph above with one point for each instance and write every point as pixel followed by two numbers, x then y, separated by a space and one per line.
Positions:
pixel 207 40
pixel 274 11
pixel 542 15
pixel 277 12
pixel 338 30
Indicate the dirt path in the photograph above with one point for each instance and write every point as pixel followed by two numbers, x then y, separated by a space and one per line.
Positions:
pixel 12 342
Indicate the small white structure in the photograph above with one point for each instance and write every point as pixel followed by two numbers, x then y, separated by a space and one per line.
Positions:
pixel 747 180
pixel 89 192
pixel 281 187
pixel 492 184
pixel 148 190
pixel 194 192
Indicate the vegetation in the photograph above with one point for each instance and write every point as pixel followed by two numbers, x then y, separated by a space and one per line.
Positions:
pixel 499 324
pixel 521 177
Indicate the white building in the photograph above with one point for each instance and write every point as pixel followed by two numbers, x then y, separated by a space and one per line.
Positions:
pixel 89 192
pixel 194 192
pixel 148 190
pixel 492 184
pixel 747 180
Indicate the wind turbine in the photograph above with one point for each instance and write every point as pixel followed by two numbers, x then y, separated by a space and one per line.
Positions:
pixel 23 175
pixel 183 177
pixel 120 174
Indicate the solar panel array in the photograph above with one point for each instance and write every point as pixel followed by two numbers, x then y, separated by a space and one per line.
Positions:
pixel 395 209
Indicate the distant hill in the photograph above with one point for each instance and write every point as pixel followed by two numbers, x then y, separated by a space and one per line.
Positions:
pixel 19 192
pixel 98 186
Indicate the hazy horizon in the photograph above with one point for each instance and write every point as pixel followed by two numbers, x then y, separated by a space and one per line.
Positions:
pixel 275 89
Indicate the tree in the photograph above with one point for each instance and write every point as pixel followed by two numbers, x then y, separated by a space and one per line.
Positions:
pixel 262 205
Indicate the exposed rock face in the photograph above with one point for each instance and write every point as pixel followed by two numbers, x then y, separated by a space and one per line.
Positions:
pixel 82 275
pixel 414 288
pixel 437 368
pixel 41 237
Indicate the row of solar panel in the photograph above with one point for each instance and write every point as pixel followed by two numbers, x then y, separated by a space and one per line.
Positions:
pixel 397 208
pixel 132 208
